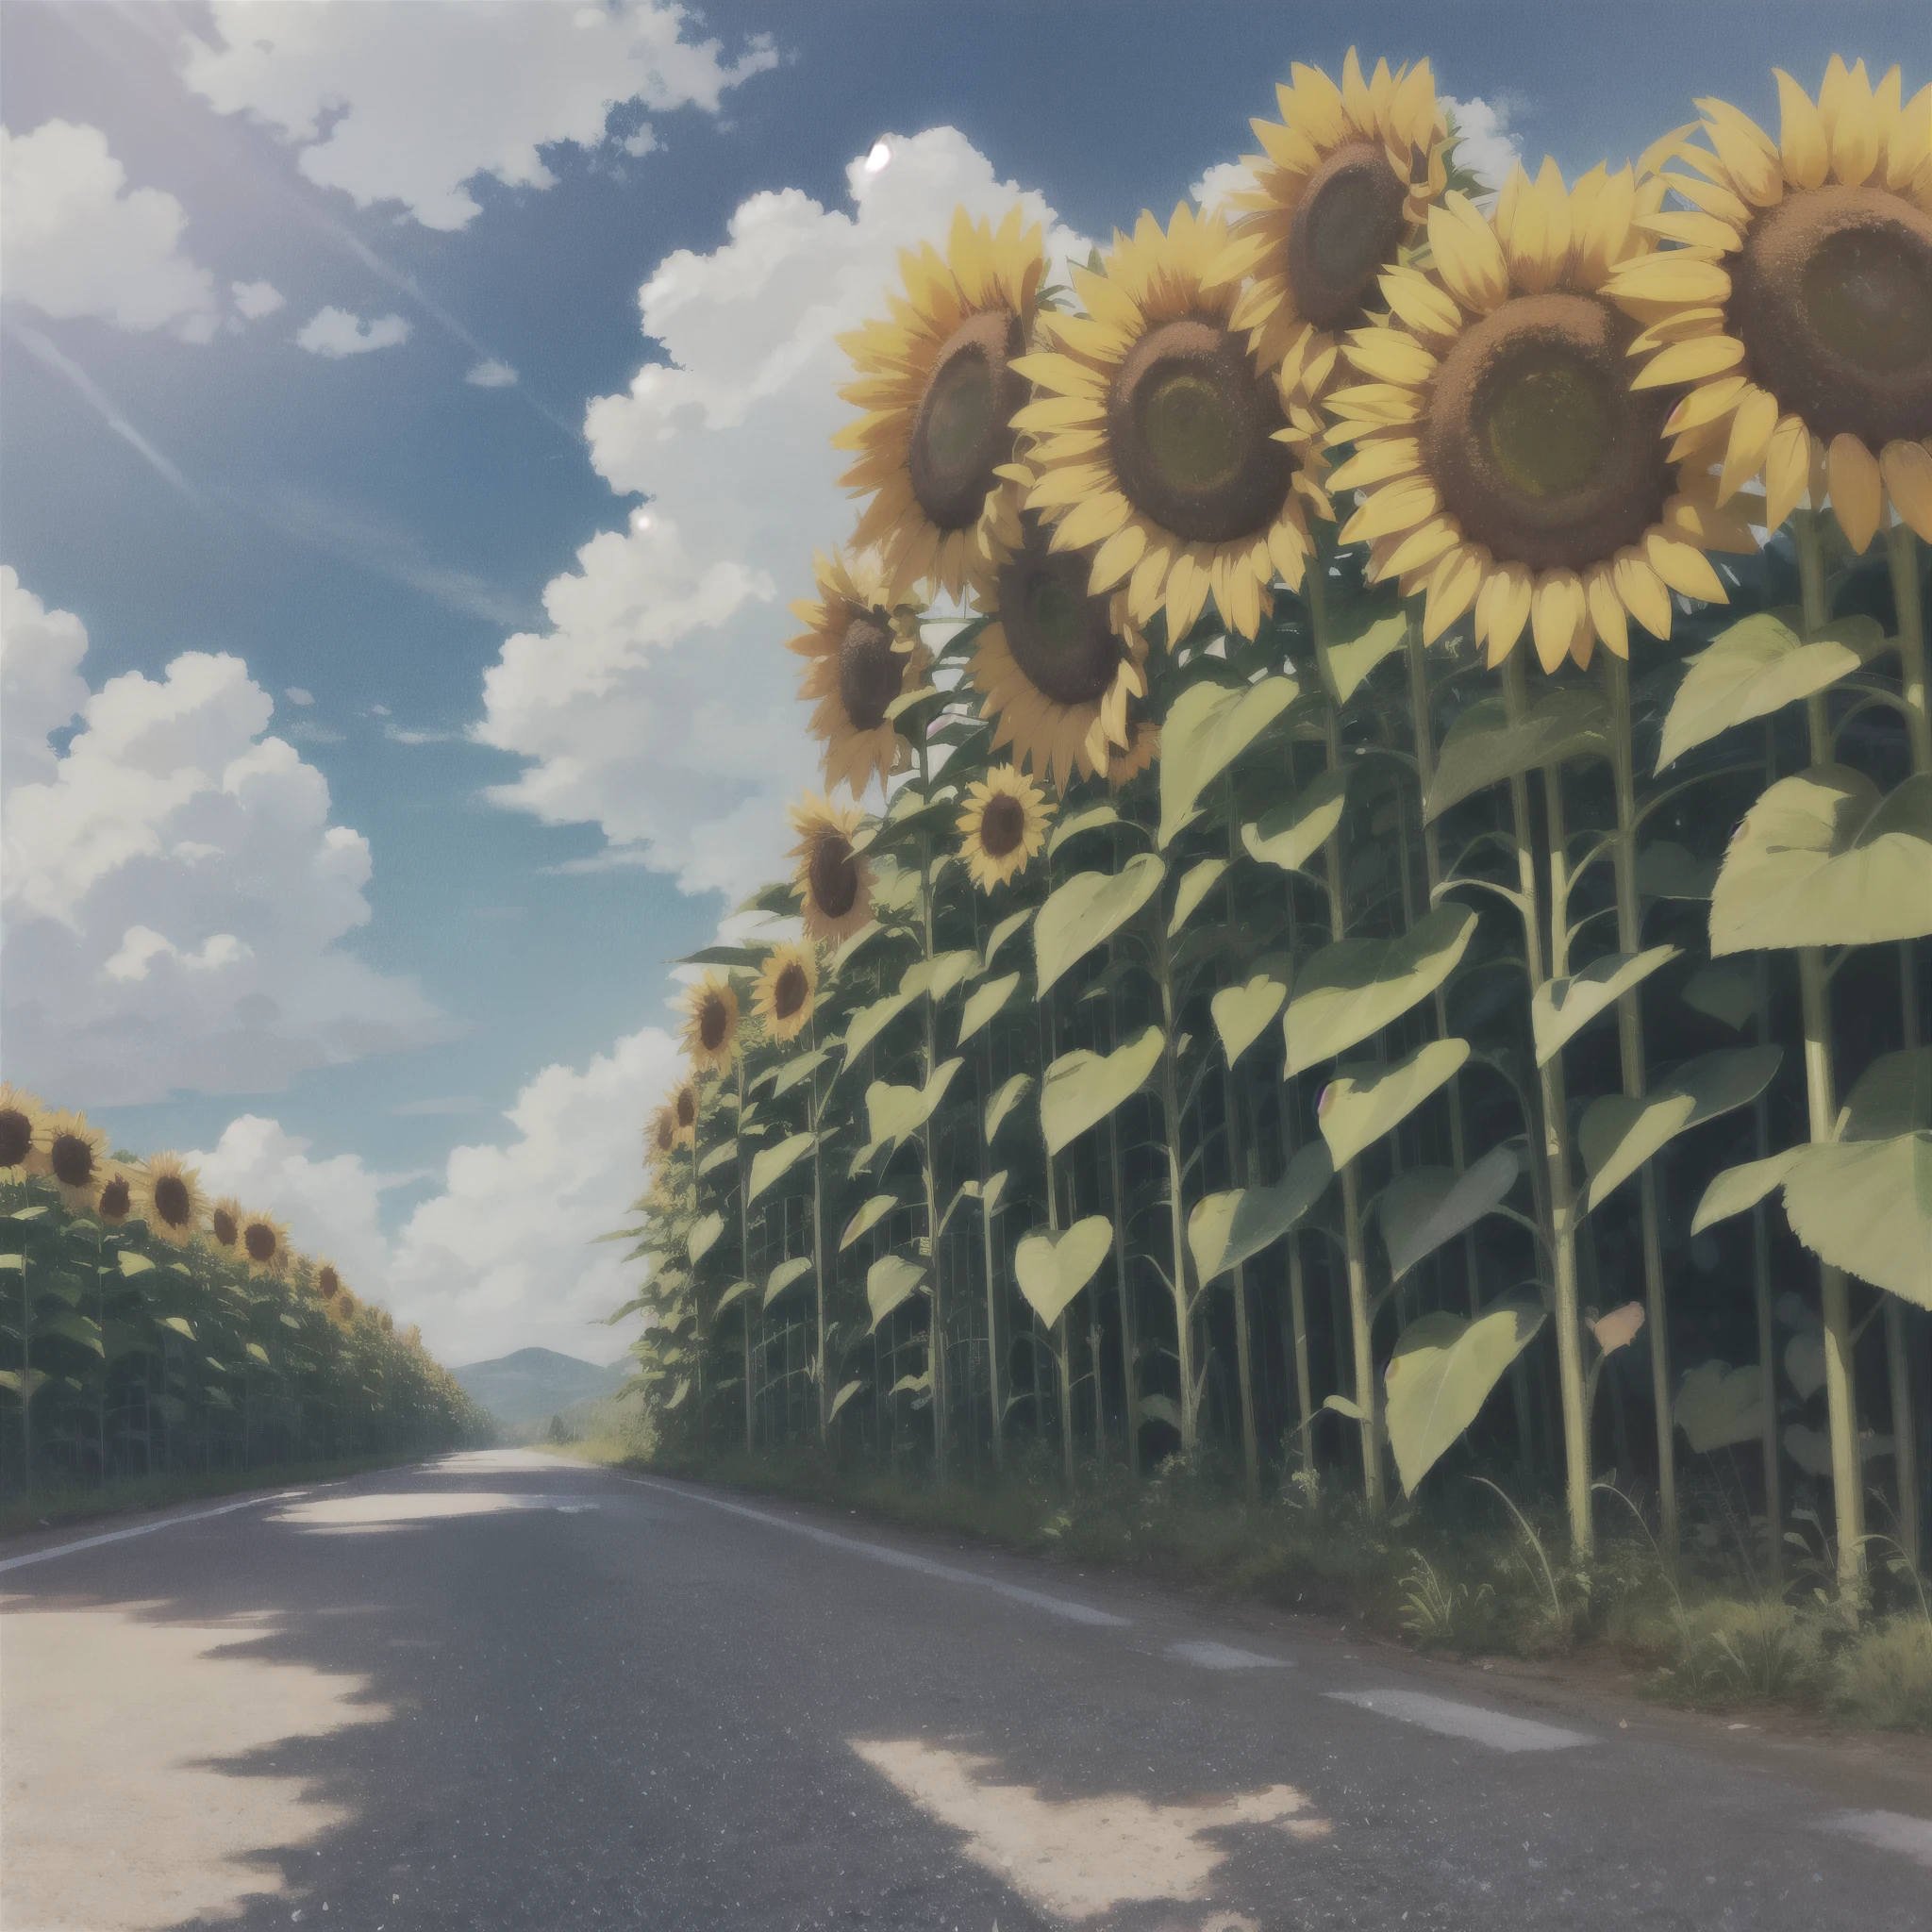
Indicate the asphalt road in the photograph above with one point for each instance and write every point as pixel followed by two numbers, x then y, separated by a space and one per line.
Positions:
pixel 503 1692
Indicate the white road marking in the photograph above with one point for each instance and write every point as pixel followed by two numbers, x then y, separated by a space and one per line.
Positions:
pixel 1890 1831
pixel 900 1560
pixel 1471 1721
pixel 1223 1656
pixel 119 1536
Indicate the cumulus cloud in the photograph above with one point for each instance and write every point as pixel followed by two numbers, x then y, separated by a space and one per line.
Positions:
pixel 254 300
pixel 658 704
pixel 1219 185
pixel 1487 148
pixel 492 374
pixel 78 241
pixel 335 333
pixel 175 894
pixel 410 103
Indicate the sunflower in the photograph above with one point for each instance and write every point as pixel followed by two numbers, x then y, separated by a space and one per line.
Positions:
pixel 1138 756
pixel 342 1307
pixel 683 1102
pixel 938 385
pixel 1796 307
pixel 661 1136
pixel 225 1222
pixel 861 656
pixel 328 1282
pixel 1003 827
pixel 1159 447
pixel 834 883
pixel 171 1204
pixel 1503 462
pixel 1344 187
pixel 116 1201
pixel 265 1242
pixel 787 990
pixel 710 1025
pixel 23 1133
pixel 76 1158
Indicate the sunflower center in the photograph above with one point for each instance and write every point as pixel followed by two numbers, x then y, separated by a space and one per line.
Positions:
pixel 115 1200
pixel 258 1238
pixel 1060 635
pixel 789 990
pixel 1832 296
pixel 72 1159
pixel 172 1202
pixel 712 1023
pixel 1346 229
pixel 869 671
pixel 963 428
pixel 224 1226
pixel 1002 824
pixel 16 1136
pixel 1538 447
pixel 833 873
pixel 1190 427
pixel 328 1282
pixel 686 1108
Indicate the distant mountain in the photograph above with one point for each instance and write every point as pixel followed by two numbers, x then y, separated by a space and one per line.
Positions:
pixel 534 1383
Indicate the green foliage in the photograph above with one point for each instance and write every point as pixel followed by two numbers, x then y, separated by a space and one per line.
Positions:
pixel 1441 1374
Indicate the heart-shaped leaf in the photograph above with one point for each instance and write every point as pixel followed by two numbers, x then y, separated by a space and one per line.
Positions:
pixel 1345 665
pixel 985 1002
pixel 870 1021
pixel 1206 728
pixel 1618 1133
pixel 1242 1013
pixel 1482 747
pixel 1355 986
pixel 1226 1229
pixel 936 978
pixel 1719 1405
pixel 1424 1206
pixel 868 1217
pixel 1087 911
pixel 1810 1449
pixel 703 1237
pixel 1741 1188
pixel 1095 818
pixel 1196 883
pixel 132 1264
pixel 1560 1009
pixel 1357 1109
pixel 1618 1328
pixel 784 1274
pixel 1082 1089
pixel 844 1396
pixel 1725 989
pixel 1441 1374
pixel 1012 1092
pixel 771 1164
pixel 896 1113
pixel 1804 1362
pixel 1894 1096
pixel 1003 931
pixel 736 1291
pixel 1292 833
pixel 1052 1269
pixel 1866 1207
pixel 889 1281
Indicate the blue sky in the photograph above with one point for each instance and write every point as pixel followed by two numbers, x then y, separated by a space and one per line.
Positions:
pixel 363 531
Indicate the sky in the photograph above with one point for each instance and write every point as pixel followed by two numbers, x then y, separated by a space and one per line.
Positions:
pixel 413 424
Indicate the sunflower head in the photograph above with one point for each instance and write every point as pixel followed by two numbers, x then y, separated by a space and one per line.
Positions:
pixel 1790 321
pixel 1161 453
pixel 116 1201
pixel 1503 463
pixel 661 1136
pixel 710 1025
pixel 23 1133
pixel 264 1245
pixel 328 1283
pixel 1003 827
pixel 76 1160
pixel 1138 758
pixel 787 990
pixel 224 1221
pixel 684 1111
pixel 861 655
pixel 939 386
pixel 170 1199
pixel 1343 187
pixel 344 1307
pixel 834 882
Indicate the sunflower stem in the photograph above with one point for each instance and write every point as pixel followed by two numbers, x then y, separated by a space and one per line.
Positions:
pixel 983 1057
pixel 818 1238
pixel 936 1336
pixel 1902 553
pixel 1182 1277
pixel 743 1248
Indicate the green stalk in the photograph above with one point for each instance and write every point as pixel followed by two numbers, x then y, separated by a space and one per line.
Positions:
pixel 26 1373
pixel 744 1250
pixel 1117 1197
pixel 1760 1297
pixel 936 1334
pixel 1902 551
pixel 984 1059
pixel 1182 1279
pixel 1241 1173
pixel 1049 1052
pixel 817 1241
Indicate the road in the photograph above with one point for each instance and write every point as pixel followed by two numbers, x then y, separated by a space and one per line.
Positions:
pixel 504 1690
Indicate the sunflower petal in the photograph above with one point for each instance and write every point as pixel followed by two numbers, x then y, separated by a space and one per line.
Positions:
pixel 1392 507
pixel 1693 361
pixel 1391 355
pixel 1116 557
pixel 1467 255
pixel 1556 608
pixel 1676 276
pixel 1643 591
pixel 1906 468
pixel 1800 135
pixel 1502 608
pixel 1682 566
pixel 1858 495
pixel 1452 590
pixel 1787 469
pixel 1606 609
pixel 1750 442
pixel 1377 461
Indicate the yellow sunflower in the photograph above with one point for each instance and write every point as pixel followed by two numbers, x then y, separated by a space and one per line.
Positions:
pixel 684 1111
pixel 1503 462
pixel 661 1136
pixel 1003 827
pixel 1056 665
pixel 1159 447
pixel 834 883
pixel 1798 306
pixel 328 1283
pixel 1344 187
pixel 76 1158
pixel 116 1201
pixel 171 1200
pixel 23 1133
pixel 225 1222
pixel 939 386
pixel 710 1023
pixel 342 1307
pixel 265 1245
pixel 787 990
pixel 1138 758
pixel 861 656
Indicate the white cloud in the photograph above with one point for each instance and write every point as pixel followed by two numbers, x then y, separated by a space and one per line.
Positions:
pixel 659 702
pixel 1487 148
pixel 409 104
pixel 1220 185
pixel 335 333
pixel 174 892
pixel 78 241
pixel 296 695
pixel 492 374
pixel 253 300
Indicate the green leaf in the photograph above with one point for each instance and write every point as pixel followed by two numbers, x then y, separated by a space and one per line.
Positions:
pixel 718 1157
pixel 1822 859
pixel 1003 931
pixel 1560 1009
pixel 868 1217
pixel 1356 1110
pixel 1342 1405
pixel 179 1324
pixel 1619 1134
pixel 1004 1102
pixel 725 956
pixel 1293 832
pixel 1242 1013
pixel 985 1002
pixel 870 1021
pixel 34 1380
pixel 1441 1374
pixel 784 1274
pixel 844 1396
pixel 12 1264
pixel 736 1291
pixel 1052 1269
pixel 1226 1229
pixel 1669 871
pixel 1756 667
pixel 683 1390
pixel 1725 989
pixel 797 1067
pixel 1083 1088
pixel 1423 1207
pixel 24 1213
pixel 1344 665
pixel 1161 1408
pixel 1719 1405
pixel 1894 1096
pixel 1866 1207
pixel 889 1281
pixel 1087 911
pixel 1095 818
pixel 703 1237
pixel 895 1113
pixel 1208 727
pixel 1810 1449
pixel 1741 1188
pixel 937 976
pixel 132 1264
pixel 72 1326
pixel 1355 986
pixel 1196 883
pixel 911 1385
pixel 772 1163
pixel 1482 748
pixel 258 1352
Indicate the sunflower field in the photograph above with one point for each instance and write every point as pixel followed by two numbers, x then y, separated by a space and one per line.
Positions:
pixel 1368 911
pixel 148 1331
